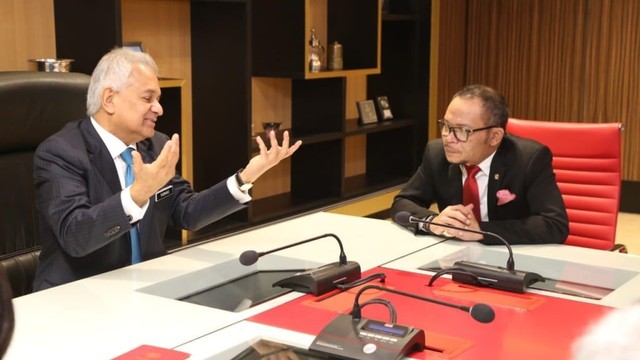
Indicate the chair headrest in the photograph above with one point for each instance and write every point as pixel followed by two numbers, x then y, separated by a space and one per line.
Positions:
pixel 34 105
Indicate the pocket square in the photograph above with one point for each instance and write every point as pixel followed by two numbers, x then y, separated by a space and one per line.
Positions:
pixel 504 196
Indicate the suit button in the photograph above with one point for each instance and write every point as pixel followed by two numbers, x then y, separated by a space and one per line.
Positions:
pixel 129 218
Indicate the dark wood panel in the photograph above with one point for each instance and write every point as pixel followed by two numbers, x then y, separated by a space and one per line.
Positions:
pixel 318 105
pixel 83 37
pixel 629 197
pixel 352 23
pixel 317 170
pixel 221 90
pixel 277 38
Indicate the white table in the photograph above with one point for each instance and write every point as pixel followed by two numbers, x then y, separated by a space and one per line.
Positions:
pixel 106 315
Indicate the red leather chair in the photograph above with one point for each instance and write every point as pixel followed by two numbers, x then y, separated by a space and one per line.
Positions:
pixel 587 164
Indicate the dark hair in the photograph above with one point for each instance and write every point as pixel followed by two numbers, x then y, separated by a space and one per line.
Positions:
pixel 493 103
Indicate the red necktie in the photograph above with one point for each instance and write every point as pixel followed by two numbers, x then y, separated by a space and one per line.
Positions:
pixel 470 190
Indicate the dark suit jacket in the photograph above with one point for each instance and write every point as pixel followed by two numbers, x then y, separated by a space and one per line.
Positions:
pixel 523 167
pixel 83 227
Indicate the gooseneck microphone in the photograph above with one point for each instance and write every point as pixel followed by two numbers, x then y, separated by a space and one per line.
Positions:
pixel 349 336
pixel 472 273
pixel 250 257
pixel 480 312
pixel 405 218
pixel 315 281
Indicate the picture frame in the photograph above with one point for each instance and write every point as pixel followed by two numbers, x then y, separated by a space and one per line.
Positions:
pixel 367 112
pixel 384 108
pixel 133 45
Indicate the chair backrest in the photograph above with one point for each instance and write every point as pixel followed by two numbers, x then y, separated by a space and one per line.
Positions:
pixel 587 163
pixel 33 106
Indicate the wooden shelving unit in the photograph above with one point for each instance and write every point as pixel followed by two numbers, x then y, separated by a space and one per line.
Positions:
pixel 264 76
pixel 249 65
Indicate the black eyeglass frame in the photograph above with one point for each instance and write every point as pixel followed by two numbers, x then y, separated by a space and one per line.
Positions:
pixel 444 125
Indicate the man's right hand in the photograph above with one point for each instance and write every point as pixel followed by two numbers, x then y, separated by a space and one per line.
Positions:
pixel 149 178
pixel 459 216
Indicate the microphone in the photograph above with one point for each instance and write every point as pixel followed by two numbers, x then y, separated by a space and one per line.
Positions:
pixel 480 312
pixel 316 281
pixel 405 218
pixel 349 336
pixel 468 272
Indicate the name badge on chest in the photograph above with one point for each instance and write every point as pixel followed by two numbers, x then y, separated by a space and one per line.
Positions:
pixel 164 193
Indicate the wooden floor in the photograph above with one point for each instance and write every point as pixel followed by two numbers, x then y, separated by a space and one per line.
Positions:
pixel 627 232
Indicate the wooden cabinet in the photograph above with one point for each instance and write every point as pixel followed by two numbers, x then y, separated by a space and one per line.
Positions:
pixel 404 78
pixel 249 65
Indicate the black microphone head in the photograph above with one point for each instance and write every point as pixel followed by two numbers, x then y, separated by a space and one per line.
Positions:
pixel 249 257
pixel 403 218
pixel 482 313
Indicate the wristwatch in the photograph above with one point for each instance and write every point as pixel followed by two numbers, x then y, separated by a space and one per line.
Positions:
pixel 244 187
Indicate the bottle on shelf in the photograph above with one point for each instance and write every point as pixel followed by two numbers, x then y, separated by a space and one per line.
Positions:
pixel 316 52
pixel 335 56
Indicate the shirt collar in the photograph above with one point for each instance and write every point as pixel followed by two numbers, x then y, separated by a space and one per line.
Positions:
pixel 485 165
pixel 113 144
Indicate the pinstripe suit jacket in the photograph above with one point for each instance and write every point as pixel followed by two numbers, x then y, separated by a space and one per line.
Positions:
pixel 520 166
pixel 83 228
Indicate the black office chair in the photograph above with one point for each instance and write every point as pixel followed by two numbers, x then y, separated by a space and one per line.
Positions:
pixel 7 319
pixel 33 105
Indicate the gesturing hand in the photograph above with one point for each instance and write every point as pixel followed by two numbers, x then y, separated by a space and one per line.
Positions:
pixel 268 158
pixel 149 178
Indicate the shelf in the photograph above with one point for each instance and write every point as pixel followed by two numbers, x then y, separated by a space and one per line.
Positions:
pixel 285 204
pixel 341 73
pixel 170 82
pixel 363 184
pixel 281 29
pixel 353 128
pixel 251 57
pixel 293 137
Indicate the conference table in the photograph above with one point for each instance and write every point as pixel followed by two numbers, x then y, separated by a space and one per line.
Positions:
pixel 158 302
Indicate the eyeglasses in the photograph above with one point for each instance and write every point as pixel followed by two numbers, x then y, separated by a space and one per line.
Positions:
pixel 461 133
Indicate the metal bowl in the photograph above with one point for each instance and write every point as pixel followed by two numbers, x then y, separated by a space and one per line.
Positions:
pixel 271 125
pixel 53 65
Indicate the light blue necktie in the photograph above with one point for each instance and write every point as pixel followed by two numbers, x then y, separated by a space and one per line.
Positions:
pixel 136 257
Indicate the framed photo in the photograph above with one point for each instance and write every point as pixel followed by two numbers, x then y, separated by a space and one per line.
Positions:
pixel 367 111
pixel 383 107
pixel 133 45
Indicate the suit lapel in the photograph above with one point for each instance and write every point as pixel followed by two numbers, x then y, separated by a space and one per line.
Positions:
pixel 99 156
pixel 496 178
pixel 144 148
pixel 455 181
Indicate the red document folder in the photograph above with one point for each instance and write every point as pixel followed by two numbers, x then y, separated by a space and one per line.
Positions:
pixel 150 352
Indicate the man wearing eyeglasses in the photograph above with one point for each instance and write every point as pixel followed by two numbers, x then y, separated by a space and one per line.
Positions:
pixel 512 190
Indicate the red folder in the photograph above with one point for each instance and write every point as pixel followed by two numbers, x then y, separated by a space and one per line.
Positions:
pixel 150 352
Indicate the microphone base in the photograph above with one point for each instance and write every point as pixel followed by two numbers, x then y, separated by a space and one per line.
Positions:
pixel 348 338
pixel 495 277
pixel 323 279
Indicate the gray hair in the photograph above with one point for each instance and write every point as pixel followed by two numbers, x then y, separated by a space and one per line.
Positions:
pixel 113 72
